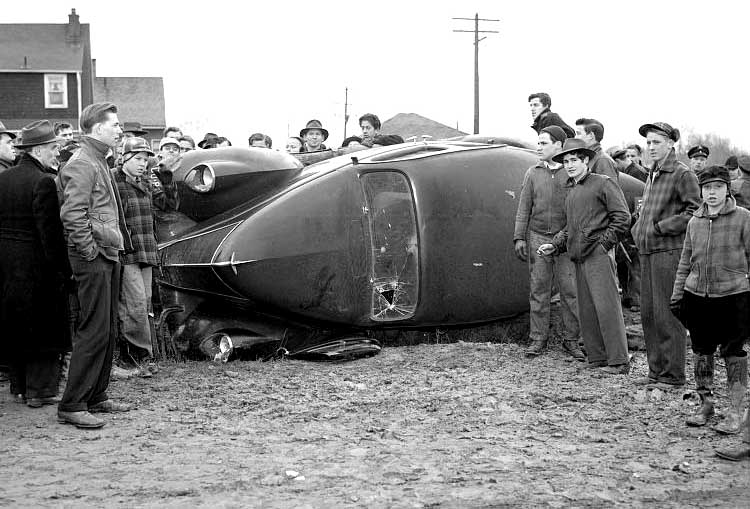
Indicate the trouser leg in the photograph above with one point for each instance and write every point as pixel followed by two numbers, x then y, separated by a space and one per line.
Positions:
pixel 663 334
pixel 41 375
pixel 737 386
pixel 93 344
pixel 133 311
pixel 540 289
pixel 588 320
pixel 565 274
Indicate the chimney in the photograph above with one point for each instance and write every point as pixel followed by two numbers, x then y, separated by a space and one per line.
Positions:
pixel 73 30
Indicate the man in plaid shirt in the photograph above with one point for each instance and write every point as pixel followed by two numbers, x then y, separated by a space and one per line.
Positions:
pixel 670 197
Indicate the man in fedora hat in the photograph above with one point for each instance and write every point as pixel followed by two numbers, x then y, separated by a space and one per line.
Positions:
pixel 541 215
pixel 92 216
pixel 314 136
pixel 597 216
pixel 670 197
pixel 35 268
pixel 133 130
pixel 7 152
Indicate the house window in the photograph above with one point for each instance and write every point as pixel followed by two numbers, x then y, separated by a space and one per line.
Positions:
pixel 55 91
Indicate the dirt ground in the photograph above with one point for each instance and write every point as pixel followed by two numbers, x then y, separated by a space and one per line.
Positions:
pixel 467 424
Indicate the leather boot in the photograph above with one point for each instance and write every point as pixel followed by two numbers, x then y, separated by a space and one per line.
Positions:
pixel 536 347
pixel 571 346
pixel 703 368
pixel 737 381
pixel 742 451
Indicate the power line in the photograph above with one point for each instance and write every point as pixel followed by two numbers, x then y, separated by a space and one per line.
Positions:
pixel 477 40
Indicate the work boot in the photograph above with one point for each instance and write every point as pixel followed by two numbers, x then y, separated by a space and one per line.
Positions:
pixel 737 381
pixel 536 347
pixel 742 451
pixel 108 406
pixel 81 419
pixel 571 346
pixel 703 368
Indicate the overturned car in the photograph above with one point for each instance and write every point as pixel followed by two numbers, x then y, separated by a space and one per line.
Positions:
pixel 268 256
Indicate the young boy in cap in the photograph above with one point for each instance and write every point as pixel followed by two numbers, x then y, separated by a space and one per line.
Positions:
pixel 541 215
pixel 711 294
pixel 597 216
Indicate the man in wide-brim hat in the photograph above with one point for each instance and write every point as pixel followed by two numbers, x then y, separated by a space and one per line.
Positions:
pixel 314 135
pixel 34 261
pixel 132 130
pixel 7 152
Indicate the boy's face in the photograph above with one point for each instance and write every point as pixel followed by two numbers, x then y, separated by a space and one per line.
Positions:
pixel 313 138
pixel 658 146
pixel 546 149
pixel 536 107
pixel 714 194
pixel 697 164
pixel 632 155
pixel 581 134
pixel 575 165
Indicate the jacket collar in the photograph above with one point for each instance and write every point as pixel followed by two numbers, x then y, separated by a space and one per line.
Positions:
pixel 729 206
pixel 28 158
pixel 540 117
pixel 99 147
pixel 572 183
pixel 669 163
pixel 139 183
pixel 596 147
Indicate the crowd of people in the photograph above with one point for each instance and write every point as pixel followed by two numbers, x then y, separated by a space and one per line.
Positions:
pixel 78 247
pixel 684 251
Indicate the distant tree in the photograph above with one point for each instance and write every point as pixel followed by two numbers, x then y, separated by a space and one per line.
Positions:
pixel 720 148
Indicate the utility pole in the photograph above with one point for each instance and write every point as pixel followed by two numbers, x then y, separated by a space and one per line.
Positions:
pixel 477 40
pixel 346 109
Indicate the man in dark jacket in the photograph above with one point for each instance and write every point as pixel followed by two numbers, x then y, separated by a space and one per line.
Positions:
pixel 741 185
pixel 540 215
pixel 597 216
pixel 592 132
pixel 669 200
pixel 7 152
pixel 35 268
pixel 540 104
pixel 91 214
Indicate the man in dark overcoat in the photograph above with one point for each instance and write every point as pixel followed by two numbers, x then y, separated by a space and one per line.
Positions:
pixel 35 269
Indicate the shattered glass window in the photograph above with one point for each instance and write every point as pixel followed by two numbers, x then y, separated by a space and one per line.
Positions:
pixel 393 235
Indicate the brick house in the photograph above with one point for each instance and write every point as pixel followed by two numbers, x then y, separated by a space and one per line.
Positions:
pixel 46 72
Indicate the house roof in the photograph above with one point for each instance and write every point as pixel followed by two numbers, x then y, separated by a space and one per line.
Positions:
pixel 137 99
pixel 43 45
pixel 412 124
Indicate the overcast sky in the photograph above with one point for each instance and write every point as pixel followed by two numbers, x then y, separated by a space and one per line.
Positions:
pixel 239 67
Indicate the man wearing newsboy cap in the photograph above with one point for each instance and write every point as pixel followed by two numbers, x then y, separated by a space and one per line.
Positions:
pixel 91 214
pixel 670 197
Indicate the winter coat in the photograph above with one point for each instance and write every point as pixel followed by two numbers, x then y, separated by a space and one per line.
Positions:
pixel 547 118
pixel 541 206
pixel 4 165
pixel 670 197
pixel 741 190
pixel 34 267
pixel 637 171
pixel 89 208
pixel 602 164
pixel 597 215
pixel 138 200
pixel 715 259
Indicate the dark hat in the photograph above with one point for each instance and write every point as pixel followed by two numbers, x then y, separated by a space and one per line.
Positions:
pixel 208 138
pixel 136 145
pixel 37 133
pixel 618 153
pixel 387 139
pixel 555 132
pixel 714 174
pixel 3 130
pixel 133 127
pixel 573 145
pixel 743 163
pixel 314 124
pixel 661 127
pixel 731 162
pixel 698 151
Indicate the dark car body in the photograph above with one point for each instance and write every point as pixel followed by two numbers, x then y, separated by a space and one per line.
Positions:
pixel 307 259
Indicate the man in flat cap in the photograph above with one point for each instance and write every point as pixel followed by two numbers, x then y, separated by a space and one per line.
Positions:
pixel 92 217
pixel 7 152
pixel 670 197
pixel 541 215
pixel 698 156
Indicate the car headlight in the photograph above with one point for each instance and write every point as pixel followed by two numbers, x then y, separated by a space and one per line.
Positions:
pixel 201 179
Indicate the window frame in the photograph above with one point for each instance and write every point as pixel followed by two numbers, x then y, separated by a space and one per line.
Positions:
pixel 47 90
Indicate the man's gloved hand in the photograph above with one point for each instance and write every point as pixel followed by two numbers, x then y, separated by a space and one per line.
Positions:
pixel 521 250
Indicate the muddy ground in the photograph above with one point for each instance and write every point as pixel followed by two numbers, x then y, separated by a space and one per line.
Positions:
pixel 467 424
